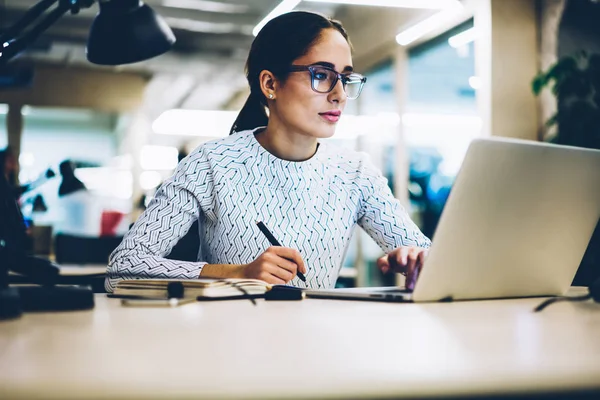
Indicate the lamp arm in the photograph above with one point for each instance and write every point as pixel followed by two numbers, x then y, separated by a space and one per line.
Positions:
pixel 11 47
pixel 27 19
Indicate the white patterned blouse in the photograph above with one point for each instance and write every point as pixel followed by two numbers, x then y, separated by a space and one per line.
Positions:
pixel 229 184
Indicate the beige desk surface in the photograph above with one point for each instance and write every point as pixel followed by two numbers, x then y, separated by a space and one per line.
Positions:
pixel 312 348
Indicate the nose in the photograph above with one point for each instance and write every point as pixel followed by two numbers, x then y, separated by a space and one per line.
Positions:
pixel 337 94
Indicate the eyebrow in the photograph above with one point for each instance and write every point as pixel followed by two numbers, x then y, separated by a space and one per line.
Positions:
pixel 347 68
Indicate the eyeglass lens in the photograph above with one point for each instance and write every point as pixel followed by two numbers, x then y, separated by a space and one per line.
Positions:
pixel 323 81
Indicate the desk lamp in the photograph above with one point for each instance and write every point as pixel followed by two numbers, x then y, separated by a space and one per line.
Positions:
pixel 123 32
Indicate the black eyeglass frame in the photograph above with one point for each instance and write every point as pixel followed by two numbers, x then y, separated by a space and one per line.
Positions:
pixel 339 76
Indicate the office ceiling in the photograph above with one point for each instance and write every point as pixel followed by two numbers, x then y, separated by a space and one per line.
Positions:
pixel 205 68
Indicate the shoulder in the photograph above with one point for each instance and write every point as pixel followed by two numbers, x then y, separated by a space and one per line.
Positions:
pixel 213 155
pixel 238 140
pixel 348 160
pixel 354 168
pixel 232 146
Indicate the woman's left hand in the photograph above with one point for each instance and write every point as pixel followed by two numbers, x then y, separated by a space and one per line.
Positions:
pixel 407 261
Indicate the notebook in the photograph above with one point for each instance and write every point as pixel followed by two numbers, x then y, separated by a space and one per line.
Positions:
pixel 192 288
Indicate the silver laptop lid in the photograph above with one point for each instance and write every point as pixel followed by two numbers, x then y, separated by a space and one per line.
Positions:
pixel 517 222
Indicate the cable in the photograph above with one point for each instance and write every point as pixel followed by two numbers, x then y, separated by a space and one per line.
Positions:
pixel 553 300
pixel 594 294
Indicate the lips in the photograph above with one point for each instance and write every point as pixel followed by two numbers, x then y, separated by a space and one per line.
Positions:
pixel 331 116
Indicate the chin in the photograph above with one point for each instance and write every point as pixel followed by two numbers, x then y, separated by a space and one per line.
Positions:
pixel 325 132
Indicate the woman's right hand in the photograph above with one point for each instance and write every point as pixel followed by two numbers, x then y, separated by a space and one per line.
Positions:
pixel 277 265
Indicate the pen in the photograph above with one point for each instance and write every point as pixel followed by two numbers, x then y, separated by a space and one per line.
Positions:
pixel 274 242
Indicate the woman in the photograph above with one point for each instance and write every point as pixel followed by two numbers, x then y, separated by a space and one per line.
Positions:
pixel 274 169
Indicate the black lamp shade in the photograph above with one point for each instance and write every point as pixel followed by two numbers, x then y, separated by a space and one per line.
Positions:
pixel 127 31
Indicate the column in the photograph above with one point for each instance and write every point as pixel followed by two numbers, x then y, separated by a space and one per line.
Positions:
pixel 506 61
pixel 401 172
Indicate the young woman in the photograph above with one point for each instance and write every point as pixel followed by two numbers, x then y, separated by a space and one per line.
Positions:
pixel 274 169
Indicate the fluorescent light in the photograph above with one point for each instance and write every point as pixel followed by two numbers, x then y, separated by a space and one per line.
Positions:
pixel 390 118
pixel 475 82
pixel 193 25
pixel 206 5
pixel 463 38
pixel 282 8
pixel 430 4
pixel 158 157
pixel 25 110
pixel 195 123
pixel 422 28
pixel 415 120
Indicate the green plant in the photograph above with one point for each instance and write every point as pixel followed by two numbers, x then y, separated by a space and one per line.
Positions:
pixel 575 82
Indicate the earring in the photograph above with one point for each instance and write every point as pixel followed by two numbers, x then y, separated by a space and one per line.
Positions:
pixel 270 95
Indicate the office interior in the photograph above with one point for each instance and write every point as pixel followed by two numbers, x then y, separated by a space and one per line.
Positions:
pixel 439 75
pixel 437 78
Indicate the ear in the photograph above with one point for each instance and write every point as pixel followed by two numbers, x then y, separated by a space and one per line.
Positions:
pixel 268 84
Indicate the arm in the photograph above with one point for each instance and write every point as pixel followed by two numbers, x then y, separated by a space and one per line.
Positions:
pixel 382 216
pixel 222 271
pixel 177 204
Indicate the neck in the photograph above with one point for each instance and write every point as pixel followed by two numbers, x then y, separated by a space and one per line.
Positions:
pixel 285 144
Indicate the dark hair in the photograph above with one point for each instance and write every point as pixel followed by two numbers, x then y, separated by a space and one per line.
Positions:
pixel 282 40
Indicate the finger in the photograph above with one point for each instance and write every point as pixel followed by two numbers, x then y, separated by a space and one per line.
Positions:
pixel 383 264
pixel 421 258
pixel 273 258
pixel 412 259
pixel 286 264
pixel 279 272
pixel 400 259
pixel 415 278
pixel 273 279
pixel 411 271
pixel 292 255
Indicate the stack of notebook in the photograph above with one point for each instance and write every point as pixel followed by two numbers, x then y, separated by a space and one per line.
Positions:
pixel 181 288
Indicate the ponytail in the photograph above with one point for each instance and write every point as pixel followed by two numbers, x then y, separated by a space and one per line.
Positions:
pixel 251 116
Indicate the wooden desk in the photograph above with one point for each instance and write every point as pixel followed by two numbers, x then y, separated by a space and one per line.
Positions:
pixel 311 348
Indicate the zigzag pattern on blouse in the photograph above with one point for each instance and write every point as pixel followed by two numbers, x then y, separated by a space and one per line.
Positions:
pixel 229 184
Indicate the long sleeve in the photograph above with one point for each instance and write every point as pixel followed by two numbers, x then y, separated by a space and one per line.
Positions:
pixel 178 203
pixel 382 216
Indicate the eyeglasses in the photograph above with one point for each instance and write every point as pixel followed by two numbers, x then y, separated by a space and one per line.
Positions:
pixel 324 79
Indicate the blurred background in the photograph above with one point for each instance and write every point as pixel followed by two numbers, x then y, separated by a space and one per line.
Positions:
pixel 86 146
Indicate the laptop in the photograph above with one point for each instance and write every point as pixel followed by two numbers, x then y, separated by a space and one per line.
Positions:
pixel 517 223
